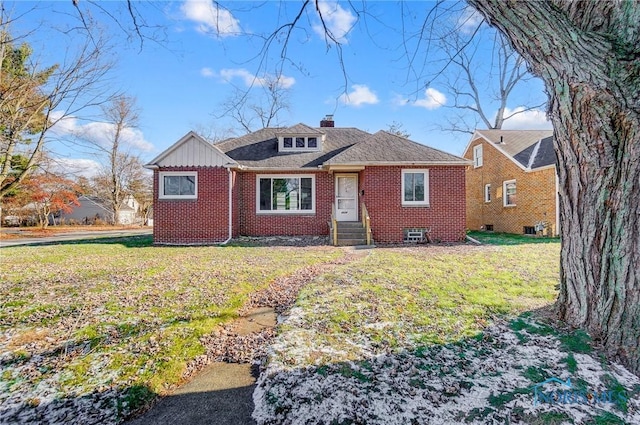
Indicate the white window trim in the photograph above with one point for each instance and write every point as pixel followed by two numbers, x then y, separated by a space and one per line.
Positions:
pixel 424 203
pixel 161 176
pixel 286 176
pixel 504 192
pixel 306 147
pixel 487 193
pixel 477 156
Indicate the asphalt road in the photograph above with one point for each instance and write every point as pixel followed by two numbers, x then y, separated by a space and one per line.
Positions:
pixel 76 236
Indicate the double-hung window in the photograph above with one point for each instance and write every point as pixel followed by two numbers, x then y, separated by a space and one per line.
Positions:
pixel 415 187
pixel 178 185
pixel 477 156
pixel 286 194
pixel 487 193
pixel 509 191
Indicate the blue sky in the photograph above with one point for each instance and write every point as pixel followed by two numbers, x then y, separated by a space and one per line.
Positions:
pixel 181 82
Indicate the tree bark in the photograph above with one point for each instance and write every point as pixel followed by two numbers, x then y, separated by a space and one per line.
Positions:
pixel 588 55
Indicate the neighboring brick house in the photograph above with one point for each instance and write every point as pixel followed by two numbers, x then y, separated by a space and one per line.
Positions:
pixel 301 180
pixel 512 184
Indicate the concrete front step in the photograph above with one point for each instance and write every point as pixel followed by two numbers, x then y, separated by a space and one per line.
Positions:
pixel 351 233
pixel 351 242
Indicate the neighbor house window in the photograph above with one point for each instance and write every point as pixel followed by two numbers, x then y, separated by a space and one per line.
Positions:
pixel 509 190
pixel 415 187
pixel 487 193
pixel 286 194
pixel 477 156
pixel 178 185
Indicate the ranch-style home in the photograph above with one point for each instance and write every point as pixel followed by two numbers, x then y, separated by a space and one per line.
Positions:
pixel 341 182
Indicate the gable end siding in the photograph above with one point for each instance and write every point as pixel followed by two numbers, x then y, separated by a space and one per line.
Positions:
pixel 193 221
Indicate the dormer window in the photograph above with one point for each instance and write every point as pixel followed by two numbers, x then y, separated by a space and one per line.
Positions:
pixel 299 143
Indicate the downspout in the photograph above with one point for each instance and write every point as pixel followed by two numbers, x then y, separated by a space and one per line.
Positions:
pixel 230 208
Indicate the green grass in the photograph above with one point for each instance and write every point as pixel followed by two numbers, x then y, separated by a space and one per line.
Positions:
pixel 511 239
pixel 127 313
pixel 399 297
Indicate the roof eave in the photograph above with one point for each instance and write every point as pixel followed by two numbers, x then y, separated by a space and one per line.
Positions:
pixel 399 163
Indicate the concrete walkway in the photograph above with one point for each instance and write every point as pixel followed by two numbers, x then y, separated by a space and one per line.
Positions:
pixel 221 394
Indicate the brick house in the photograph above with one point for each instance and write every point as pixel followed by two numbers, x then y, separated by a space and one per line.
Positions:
pixel 512 185
pixel 340 182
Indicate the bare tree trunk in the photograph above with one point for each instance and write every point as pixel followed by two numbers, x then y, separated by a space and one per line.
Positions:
pixel 587 54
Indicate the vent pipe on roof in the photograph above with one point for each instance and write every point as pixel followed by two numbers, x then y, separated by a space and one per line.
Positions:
pixel 501 141
pixel 327 121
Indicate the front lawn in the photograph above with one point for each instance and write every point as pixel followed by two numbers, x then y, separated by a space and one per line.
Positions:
pixel 84 318
pixel 402 297
pixel 439 335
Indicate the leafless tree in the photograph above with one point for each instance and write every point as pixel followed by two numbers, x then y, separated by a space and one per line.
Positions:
pixel 259 106
pixel 34 98
pixel 481 89
pixel 398 129
pixel 121 167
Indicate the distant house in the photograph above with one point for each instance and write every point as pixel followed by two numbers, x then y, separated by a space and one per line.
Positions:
pixel 512 185
pixel 303 180
pixel 92 209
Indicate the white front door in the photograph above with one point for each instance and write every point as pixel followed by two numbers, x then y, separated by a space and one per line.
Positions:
pixel 347 197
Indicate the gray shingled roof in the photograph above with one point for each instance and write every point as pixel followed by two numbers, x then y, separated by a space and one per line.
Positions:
pixel 341 146
pixel 530 148
pixel 384 147
pixel 260 148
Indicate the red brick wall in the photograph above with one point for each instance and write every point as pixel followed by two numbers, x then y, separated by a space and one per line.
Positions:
pixel 205 220
pixel 445 215
pixel 194 221
pixel 265 224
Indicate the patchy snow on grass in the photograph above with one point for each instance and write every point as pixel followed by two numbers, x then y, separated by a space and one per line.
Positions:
pixel 489 379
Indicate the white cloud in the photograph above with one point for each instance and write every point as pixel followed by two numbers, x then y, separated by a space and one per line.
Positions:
pixel 359 95
pixel 100 133
pixel 433 99
pixel 337 20
pixel 534 119
pixel 469 20
pixel 249 79
pixel 77 166
pixel 210 17
pixel 207 72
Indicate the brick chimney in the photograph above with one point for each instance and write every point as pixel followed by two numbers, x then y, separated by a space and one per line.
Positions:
pixel 327 121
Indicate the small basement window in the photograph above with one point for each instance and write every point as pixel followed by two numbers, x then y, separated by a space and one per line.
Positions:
pixel 488 227
pixel 414 235
pixel 529 230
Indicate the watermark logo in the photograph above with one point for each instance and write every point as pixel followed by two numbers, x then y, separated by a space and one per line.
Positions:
pixel 557 391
